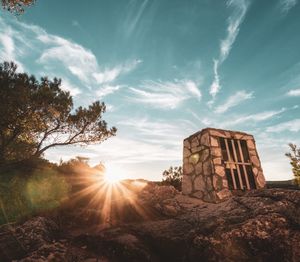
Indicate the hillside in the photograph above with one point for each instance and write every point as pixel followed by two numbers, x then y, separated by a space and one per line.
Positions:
pixel 160 224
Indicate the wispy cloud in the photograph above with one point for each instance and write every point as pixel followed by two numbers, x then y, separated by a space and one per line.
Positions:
pixel 254 118
pixel 67 86
pixel 294 92
pixel 292 125
pixel 107 90
pixel 234 100
pixel 286 5
pixel 57 55
pixel 215 86
pixel 234 21
pixel 165 95
pixel 8 51
pixel 110 74
pixel 135 13
pixel 126 150
pixel 80 61
pixel 158 131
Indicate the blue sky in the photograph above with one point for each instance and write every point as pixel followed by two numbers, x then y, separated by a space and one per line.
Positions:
pixel 166 69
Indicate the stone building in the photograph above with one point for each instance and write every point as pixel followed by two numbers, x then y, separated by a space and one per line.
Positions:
pixel 219 163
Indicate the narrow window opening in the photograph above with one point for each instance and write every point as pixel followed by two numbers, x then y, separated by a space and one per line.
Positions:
pixel 223 149
pixel 251 177
pixel 238 168
pixel 245 151
pixel 229 178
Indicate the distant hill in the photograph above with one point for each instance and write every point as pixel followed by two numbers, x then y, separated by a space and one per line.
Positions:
pixel 287 184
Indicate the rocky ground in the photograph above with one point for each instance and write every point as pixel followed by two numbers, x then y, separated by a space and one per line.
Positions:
pixel 261 225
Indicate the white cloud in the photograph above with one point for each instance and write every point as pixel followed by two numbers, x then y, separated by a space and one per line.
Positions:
pixel 109 75
pixel 110 108
pixel 165 95
pixel 215 86
pixel 107 90
pixel 67 86
pixel 8 51
pixel 57 55
pixel 8 47
pixel 157 131
pixel 126 150
pixel 294 92
pixel 292 125
pixel 286 5
pixel 234 21
pixel 234 100
pixel 80 61
pixel 259 117
pixel 135 13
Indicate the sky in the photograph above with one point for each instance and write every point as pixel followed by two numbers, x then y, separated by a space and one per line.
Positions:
pixel 167 69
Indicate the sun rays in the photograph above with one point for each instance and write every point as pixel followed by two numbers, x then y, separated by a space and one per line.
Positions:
pixel 104 198
pixel 113 175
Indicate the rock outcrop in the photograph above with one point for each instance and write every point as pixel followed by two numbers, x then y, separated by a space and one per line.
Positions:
pixel 262 225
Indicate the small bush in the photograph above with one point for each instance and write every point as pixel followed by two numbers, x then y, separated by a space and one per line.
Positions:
pixel 173 177
pixel 294 156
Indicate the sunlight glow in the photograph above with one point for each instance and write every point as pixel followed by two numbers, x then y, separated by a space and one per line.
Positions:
pixel 113 175
pixel 109 197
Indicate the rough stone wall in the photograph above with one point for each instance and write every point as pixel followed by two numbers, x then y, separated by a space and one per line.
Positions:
pixel 197 167
pixel 203 172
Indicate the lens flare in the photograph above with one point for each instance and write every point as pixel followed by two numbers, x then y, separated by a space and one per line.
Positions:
pixel 113 175
pixel 109 197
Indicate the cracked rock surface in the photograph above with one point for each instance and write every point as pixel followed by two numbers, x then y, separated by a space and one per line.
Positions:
pixel 262 225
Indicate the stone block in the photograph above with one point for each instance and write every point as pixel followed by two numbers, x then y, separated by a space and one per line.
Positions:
pixel 188 169
pixel 217 183
pixel 220 171
pixel 217 133
pixel 194 142
pixel 198 194
pixel 224 194
pixel 186 152
pixel 207 169
pixel 205 139
pixel 216 152
pixel 187 144
pixel 225 183
pixel 194 158
pixel 198 168
pixel 217 161
pixel 197 149
pixel 252 153
pixel 250 144
pixel 186 185
pixel 255 171
pixel 185 160
pixel 214 142
pixel 255 161
pixel 199 184
pixel 248 137
pixel 208 184
pixel 203 155
pixel 238 136
pixel 261 182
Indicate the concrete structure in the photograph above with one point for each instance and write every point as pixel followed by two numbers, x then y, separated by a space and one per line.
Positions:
pixel 219 163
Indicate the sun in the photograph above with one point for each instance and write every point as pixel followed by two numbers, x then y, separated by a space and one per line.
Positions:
pixel 111 179
pixel 113 175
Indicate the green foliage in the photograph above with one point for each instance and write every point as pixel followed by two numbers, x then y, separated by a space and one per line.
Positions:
pixel 294 156
pixel 27 191
pixel 38 115
pixel 16 7
pixel 38 186
pixel 173 177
